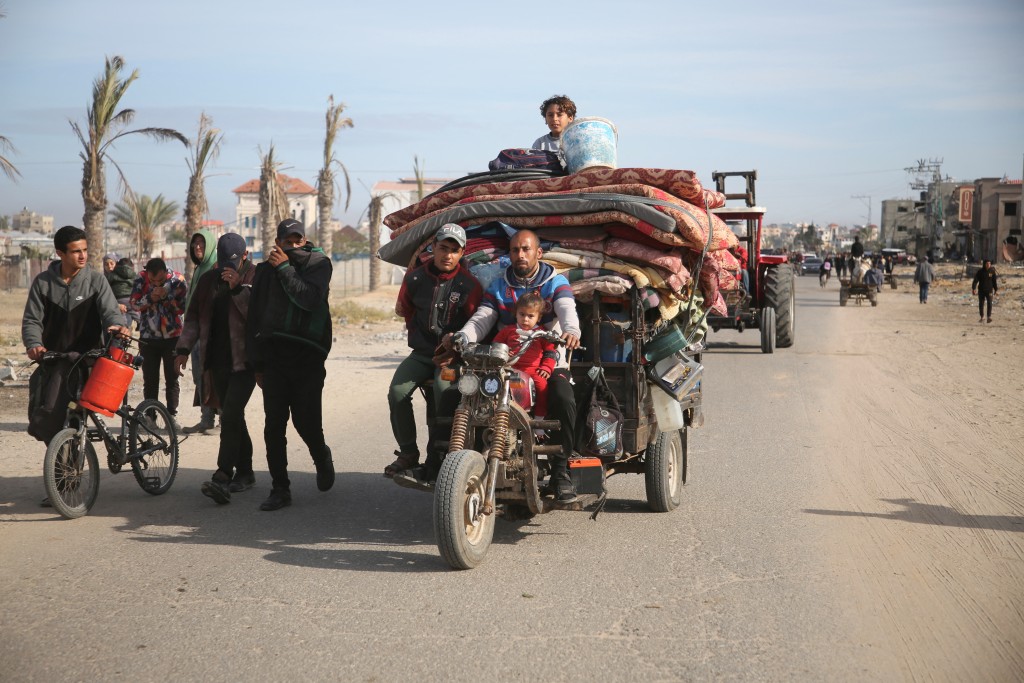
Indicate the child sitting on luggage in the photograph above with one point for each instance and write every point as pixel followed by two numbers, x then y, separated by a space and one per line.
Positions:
pixel 539 360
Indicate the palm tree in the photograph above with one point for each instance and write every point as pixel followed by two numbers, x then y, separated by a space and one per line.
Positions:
pixel 417 172
pixel 105 126
pixel 273 200
pixel 142 215
pixel 325 182
pixel 204 152
pixel 6 166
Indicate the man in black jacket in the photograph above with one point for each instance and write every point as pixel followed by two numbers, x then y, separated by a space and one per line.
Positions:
pixel 288 339
pixel 984 286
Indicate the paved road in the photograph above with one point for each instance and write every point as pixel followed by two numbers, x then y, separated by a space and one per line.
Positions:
pixel 780 564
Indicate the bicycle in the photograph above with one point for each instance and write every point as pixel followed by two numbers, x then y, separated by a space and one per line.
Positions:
pixel 147 440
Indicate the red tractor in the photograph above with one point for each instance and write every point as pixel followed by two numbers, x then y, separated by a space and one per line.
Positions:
pixel 766 300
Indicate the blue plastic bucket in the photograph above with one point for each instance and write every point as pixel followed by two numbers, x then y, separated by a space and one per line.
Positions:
pixel 589 141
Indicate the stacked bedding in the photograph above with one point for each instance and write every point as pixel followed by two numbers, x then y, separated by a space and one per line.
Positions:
pixel 607 230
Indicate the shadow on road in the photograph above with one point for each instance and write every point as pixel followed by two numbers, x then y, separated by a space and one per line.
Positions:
pixel 940 515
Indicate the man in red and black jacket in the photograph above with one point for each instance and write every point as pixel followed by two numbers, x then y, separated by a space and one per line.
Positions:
pixel 435 299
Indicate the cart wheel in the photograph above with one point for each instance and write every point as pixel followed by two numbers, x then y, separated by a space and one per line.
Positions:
pixel 768 330
pixel 844 295
pixel 665 473
pixel 892 281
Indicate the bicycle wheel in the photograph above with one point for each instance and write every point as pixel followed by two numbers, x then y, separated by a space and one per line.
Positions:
pixel 153 447
pixel 71 477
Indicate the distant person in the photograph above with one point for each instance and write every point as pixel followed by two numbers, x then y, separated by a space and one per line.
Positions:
pixel 558 112
pixel 202 250
pixel 120 276
pixel 857 249
pixel 288 337
pixel 984 286
pixel 215 319
pixel 824 271
pixel 158 296
pixel 923 277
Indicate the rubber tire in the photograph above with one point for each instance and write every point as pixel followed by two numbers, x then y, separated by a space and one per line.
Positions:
pixel 780 294
pixel 873 297
pixel 665 471
pixel 169 469
pixel 460 479
pixel 768 330
pixel 67 439
pixel 844 295
pixel 892 281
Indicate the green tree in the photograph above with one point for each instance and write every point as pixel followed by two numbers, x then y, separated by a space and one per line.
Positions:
pixel 141 215
pixel 105 125
pixel 325 182
pixel 273 200
pixel 203 153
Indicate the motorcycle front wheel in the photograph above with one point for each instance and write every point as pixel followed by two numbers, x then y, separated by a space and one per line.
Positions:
pixel 462 530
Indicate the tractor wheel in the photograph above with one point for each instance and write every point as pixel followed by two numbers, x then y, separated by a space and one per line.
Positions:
pixel 768 330
pixel 844 295
pixel 779 294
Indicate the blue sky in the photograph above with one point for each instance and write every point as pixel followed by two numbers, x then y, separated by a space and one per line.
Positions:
pixel 826 100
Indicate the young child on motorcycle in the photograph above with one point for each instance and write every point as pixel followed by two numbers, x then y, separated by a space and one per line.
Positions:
pixel 539 360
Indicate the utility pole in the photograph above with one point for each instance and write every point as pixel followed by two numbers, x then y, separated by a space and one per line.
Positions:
pixel 862 197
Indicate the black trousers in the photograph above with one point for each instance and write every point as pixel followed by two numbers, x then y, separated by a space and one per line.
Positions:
pixel 233 390
pixel 984 299
pixel 157 352
pixel 562 407
pixel 293 383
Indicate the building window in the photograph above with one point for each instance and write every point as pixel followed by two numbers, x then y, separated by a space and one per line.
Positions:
pixel 249 241
pixel 901 209
pixel 246 221
pixel 1010 209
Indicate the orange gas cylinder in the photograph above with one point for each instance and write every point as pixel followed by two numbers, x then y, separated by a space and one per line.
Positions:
pixel 108 383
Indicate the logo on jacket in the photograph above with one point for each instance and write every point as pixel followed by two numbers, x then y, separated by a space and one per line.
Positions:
pixel 454 297
pixel 79 298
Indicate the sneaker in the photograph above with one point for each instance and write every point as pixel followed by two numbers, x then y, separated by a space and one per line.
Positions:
pixel 277 499
pixel 242 482
pixel 562 486
pixel 198 428
pixel 175 423
pixel 990 319
pixel 218 490
pixel 324 470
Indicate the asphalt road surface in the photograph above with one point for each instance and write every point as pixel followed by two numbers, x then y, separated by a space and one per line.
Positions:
pixel 843 520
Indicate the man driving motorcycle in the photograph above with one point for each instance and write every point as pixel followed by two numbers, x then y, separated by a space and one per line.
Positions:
pixel 528 274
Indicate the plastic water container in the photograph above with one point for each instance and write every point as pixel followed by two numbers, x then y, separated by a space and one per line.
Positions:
pixel 589 141
pixel 666 409
pixel 107 384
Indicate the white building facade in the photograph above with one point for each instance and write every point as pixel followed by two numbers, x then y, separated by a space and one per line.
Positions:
pixel 301 196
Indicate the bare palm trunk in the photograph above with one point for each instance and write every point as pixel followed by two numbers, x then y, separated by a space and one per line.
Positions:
pixel 94 197
pixel 325 205
pixel 375 219
pixel 195 200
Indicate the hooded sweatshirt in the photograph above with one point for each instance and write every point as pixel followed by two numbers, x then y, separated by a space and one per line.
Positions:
pixel 208 262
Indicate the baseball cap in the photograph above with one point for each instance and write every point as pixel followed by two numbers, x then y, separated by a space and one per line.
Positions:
pixel 451 231
pixel 290 226
pixel 230 249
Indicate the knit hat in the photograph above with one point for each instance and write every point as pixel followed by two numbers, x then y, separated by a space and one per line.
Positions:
pixel 111 256
pixel 230 249
pixel 290 226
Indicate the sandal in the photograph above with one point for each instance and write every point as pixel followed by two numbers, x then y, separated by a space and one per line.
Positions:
pixel 403 462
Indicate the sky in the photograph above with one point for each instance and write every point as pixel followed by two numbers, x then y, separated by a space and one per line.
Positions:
pixel 829 101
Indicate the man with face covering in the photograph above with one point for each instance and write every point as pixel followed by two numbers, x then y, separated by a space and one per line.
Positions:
pixel 216 320
pixel 288 339
pixel 528 274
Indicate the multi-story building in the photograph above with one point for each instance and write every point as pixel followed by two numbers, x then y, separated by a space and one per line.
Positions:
pixel 30 221
pixel 996 215
pixel 902 221
pixel 301 206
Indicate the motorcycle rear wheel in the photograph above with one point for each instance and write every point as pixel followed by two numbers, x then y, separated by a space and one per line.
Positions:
pixel 462 531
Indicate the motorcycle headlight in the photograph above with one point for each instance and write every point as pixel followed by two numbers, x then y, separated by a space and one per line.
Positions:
pixel 468 384
pixel 491 385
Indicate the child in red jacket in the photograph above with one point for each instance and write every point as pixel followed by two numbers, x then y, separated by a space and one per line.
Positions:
pixel 539 360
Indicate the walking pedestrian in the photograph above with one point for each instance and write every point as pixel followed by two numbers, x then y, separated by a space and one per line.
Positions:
pixel 202 250
pixel 215 319
pixel 984 286
pixel 923 276
pixel 287 342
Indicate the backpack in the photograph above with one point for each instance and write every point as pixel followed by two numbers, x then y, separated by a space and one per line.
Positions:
pixel 508 159
pixel 600 422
